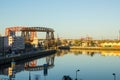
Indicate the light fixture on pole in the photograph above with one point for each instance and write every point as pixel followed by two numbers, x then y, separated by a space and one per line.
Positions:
pixel 114 76
pixel 29 75
pixel 76 73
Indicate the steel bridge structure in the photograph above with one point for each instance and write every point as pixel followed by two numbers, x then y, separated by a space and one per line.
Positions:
pixel 30 33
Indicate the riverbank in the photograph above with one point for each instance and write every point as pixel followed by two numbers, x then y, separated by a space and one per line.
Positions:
pixel 94 48
pixel 20 57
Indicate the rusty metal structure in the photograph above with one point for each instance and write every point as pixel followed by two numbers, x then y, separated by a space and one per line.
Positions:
pixel 30 33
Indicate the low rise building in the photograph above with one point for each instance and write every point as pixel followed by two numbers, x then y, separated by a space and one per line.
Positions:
pixel 110 44
pixel 3 42
pixel 3 45
pixel 18 43
pixel 10 41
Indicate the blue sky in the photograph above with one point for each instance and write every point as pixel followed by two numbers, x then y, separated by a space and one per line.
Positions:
pixel 69 18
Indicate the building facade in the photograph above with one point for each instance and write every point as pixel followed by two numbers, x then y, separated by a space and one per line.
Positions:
pixel 18 43
pixel 3 42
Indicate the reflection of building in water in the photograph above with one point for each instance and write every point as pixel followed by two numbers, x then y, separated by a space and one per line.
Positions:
pixel 89 52
pixel 31 65
pixel 50 60
pixel 75 52
pixel 110 53
pixel 62 52
pixel 18 68
pixel 4 71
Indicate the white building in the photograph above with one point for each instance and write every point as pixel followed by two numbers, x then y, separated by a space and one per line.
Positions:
pixel 115 44
pixel 10 40
pixel 35 42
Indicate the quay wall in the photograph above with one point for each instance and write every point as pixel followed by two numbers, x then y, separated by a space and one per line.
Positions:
pixel 26 56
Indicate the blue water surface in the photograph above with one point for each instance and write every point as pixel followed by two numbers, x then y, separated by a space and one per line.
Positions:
pixel 92 66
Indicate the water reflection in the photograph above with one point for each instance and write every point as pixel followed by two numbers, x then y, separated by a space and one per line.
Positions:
pixel 29 66
pixel 88 52
pixel 32 65
pixel 93 65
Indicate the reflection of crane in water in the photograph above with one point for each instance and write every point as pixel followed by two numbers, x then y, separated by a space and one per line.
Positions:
pixel 32 66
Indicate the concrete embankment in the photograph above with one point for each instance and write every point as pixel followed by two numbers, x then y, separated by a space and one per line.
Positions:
pixel 95 48
pixel 26 56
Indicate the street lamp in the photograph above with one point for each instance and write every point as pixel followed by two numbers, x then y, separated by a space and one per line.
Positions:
pixel 76 73
pixel 29 75
pixel 114 76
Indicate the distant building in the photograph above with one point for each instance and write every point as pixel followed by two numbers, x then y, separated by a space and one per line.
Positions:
pixel 10 41
pixel 35 42
pixel 18 43
pixel 3 42
pixel 115 44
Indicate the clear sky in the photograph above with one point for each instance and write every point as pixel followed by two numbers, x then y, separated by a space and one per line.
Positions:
pixel 69 18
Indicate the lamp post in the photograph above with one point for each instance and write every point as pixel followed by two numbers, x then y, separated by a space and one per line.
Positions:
pixel 29 75
pixel 114 76
pixel 76 73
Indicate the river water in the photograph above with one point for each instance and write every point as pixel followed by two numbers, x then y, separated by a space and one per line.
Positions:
pixel 93 65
